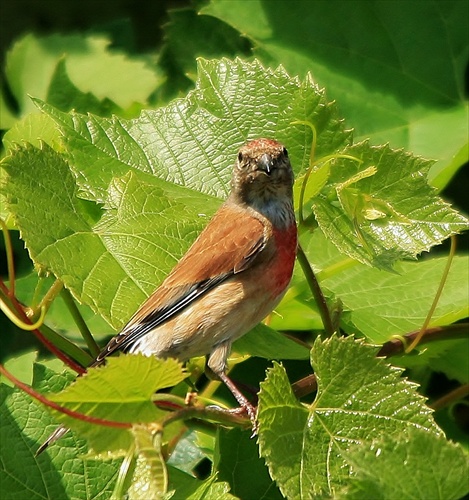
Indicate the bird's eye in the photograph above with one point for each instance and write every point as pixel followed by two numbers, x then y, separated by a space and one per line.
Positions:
pixel 285 152
pixel 240 157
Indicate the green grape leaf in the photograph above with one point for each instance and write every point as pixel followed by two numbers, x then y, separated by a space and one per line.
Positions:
pixel 150 477
pixel 189 36
pixel 182 485
pixel 64 95
pixel 378 304
pixel 135 227
pixel 63 235
pixel 265 342
pixel 33 129
pixel 359 398
pixel 211 489
pixel 121 391
pixel 233 101
pixel 380 208
pixel 25 424
pixel 189 451
pixel 239 462
pixel 376 467
pixel 149 192
pixel 393 304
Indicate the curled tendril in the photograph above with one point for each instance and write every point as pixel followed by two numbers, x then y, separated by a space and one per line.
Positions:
pixel 438 293
pixel 20 323
pixel 323 161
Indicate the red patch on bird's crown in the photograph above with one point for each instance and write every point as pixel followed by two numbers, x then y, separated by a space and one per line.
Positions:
pixel 262 143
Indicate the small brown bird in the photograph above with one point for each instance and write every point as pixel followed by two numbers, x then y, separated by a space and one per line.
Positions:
pixel 232 277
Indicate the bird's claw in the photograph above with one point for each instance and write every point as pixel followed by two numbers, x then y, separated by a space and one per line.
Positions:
pixel 251 411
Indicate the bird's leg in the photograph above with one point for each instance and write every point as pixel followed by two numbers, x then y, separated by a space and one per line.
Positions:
pixel 241 399
pixel 216 365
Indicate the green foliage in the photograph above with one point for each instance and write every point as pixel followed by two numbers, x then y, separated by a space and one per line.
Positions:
pixel 24 424
pixel 121 392
pixel 389 458
pixel 112 168
pixel 304 446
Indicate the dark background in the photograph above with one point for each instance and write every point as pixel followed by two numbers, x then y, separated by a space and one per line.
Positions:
pixel 64 16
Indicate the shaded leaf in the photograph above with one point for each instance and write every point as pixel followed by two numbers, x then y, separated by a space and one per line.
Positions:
pixel 92 68
pixel 25 424
pixel 239 463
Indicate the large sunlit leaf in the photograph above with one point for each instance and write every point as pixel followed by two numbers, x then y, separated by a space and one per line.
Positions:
pixel 379 207
pixel 385 459
pixel 100 260
pixel 151 189
pixel 193 141
pixel 151 184
pixel 359 398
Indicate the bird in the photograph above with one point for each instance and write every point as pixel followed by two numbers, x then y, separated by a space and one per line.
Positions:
pixel 231 278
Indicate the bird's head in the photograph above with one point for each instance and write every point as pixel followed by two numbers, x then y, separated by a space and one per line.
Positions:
pixel 262 173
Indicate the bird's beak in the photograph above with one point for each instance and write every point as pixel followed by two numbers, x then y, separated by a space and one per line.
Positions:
pixel 265 163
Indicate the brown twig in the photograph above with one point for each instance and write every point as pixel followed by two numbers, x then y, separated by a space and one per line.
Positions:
pixel 451 397
pixel 305 386
pixel 396 346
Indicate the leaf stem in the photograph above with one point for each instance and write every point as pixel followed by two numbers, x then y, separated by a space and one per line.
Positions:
pixel 453 396
pixel 125 472
pixel 50 295
pixel 316 291
pixel 16 306
pixel 214 413
pixel 80 322
pixel 312 154
pixel 10 314
pixel 10 260
pixel 66 346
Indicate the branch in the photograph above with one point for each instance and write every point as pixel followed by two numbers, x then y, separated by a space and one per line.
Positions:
pixel 451 397
pixel 397 345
